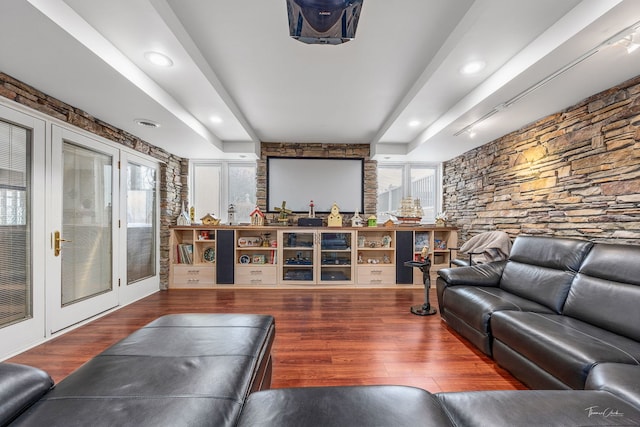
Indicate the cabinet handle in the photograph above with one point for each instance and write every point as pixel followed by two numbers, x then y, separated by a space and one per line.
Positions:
pixel 256 272
pixel 376 271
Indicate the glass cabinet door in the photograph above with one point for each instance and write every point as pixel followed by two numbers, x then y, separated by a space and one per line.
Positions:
pixel 298 256
pixel 336 257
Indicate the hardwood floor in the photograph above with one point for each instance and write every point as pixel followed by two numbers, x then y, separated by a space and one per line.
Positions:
pixel 323 337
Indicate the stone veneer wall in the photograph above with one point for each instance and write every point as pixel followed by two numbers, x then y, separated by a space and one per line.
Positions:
pixel 173 170
pixel 575 174
pixel 339 151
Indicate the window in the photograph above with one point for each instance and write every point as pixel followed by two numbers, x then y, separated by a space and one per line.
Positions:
pixel 15 226
pixel 216 185
pixel 418 181
pixel 242 190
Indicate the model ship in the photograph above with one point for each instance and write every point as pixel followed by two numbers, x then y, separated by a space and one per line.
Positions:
pixel 410 211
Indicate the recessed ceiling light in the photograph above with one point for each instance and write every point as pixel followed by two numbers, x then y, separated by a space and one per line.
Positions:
pixel 215 119
pixel 473 67
pixel 414 123
pixel 147 123
pixel 158 59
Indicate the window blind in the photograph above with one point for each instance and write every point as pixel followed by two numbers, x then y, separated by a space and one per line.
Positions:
pixel 15 224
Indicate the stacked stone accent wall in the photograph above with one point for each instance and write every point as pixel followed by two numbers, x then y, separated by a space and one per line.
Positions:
pixel 574 174
pixel 334 151
pixel 173 170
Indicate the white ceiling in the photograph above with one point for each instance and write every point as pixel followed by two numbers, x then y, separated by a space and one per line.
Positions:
pixel 235 60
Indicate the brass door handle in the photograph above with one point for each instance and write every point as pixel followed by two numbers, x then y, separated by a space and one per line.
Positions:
pixel 57 243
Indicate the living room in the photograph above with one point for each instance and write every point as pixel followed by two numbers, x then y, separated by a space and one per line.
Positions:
pixel 571 172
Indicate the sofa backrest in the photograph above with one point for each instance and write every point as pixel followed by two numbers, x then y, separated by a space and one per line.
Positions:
pixel 541 269
pixel 606 290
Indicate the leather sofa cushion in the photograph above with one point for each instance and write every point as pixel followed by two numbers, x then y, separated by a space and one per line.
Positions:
pixel 475 305
pixel 606 291
pixel 542 268
pixel 547 408
pixel 20 387
pixel 617 378
pixel 343 406
pixel 567 348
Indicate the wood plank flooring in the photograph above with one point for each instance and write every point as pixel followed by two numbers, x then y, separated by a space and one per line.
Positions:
pixel 323 337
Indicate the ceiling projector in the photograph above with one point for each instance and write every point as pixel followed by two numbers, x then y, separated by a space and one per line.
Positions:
pixel 323 21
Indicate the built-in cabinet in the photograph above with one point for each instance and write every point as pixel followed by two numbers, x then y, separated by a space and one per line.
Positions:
pixel 376 256
pixel 206 257
pixel 313 256
pixel 256 256
pixel 193 258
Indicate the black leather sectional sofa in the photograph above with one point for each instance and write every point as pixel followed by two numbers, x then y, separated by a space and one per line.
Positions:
pixel 560 314
pixel 553 311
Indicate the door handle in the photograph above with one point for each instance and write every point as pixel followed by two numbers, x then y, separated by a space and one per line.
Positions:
pixel 57 243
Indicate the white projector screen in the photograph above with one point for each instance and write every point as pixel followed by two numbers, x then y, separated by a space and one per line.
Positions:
pixel 325 181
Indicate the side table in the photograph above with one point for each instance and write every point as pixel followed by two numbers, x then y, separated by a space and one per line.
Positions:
pixel 424 266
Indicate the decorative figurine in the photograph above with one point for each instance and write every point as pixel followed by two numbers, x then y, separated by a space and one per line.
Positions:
pixel 312 210
pixel 192 214
pixel 231 214
pixel 335 218
pixel 372 221
pixel 284 212
pixel 183 218
pixel 210 219
pixel 356 220
pixel 257 217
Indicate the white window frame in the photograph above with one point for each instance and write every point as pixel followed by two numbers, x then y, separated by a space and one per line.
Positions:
pixel 223 201
pixel 406 184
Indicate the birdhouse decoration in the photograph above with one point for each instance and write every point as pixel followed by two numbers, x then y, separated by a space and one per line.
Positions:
pixel 335 218
pixel 356 220
pixel 210 219
pixel 257 217
pixel 183 218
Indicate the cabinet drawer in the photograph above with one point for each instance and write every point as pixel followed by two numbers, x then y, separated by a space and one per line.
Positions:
pixel 255 275
pixel 376 275
pixel 192 276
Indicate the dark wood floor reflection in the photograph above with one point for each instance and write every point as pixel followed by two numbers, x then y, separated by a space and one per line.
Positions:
pixel 323 337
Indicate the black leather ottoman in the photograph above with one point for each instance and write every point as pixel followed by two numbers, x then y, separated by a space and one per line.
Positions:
pixel 384 405
pixel 179 370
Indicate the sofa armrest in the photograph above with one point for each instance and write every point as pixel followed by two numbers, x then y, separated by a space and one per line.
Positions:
pixel 488 274
pixel 616 378
pixel 20 387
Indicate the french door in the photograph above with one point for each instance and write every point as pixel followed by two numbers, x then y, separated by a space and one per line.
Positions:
pixel 78 227
pixel 22 230
pixel 139 229
pixel 83 190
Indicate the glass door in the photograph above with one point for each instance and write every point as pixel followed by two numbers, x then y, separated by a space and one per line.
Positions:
pixel 139 202
pixel 22 230
pixel 84 234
